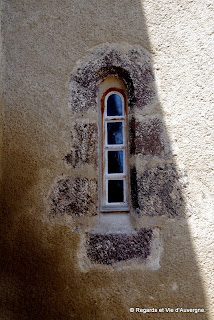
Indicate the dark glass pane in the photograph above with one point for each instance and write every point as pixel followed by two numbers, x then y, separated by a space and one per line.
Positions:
pixel 115 161
pixel 114 105
pixel 115 132
pixel 115 191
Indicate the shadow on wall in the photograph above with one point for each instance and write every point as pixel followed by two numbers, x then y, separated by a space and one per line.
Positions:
pixel 39 273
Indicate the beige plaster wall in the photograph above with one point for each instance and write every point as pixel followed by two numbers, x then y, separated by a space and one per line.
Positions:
pixel 44 272
pixel 184 51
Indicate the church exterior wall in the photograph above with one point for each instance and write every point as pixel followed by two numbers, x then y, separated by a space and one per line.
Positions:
pixel 61 257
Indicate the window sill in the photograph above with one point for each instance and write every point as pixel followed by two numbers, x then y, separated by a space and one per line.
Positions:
pixel 113 209
pixel 114 222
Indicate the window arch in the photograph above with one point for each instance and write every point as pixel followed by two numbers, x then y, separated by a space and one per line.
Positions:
pixel 114 148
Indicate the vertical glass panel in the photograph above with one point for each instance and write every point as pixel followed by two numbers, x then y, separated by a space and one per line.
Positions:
pixel 114 105
pixel 115 161
pixel 115 191
pixel 115 133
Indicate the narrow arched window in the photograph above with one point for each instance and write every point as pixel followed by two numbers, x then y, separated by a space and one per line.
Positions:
pixel 114 142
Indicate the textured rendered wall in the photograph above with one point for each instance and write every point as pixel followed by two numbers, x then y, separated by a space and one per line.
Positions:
pixel 49 265
pixel 1 104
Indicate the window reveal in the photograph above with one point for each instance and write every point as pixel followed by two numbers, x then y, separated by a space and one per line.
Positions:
pixel 114 153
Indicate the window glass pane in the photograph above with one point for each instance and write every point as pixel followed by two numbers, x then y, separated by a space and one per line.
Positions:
pixel 115 161
pixel 115 133
pixel 115 191
pixel 114 105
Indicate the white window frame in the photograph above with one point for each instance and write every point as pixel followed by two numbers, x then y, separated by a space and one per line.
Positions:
pixel 105 205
